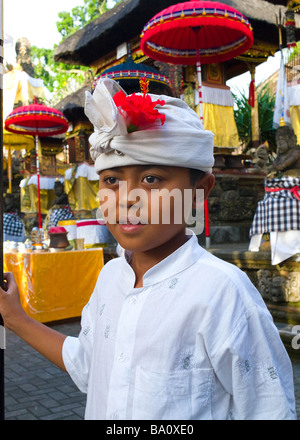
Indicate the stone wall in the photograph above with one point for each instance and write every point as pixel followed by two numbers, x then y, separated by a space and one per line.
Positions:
pixel 232 206
pixel 277 284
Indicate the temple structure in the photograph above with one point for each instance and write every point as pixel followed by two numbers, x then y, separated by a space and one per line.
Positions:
pixel 103 43
pixel 233 202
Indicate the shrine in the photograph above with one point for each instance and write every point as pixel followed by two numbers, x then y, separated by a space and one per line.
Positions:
pixel 105 44
pixel 240 179
pixel 111 48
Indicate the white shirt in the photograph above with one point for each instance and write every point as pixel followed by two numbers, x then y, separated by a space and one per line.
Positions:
pixel 195 342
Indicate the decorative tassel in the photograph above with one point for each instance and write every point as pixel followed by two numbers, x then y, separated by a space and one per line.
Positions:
pixel 290 28
pixel 251 100
pixel 144 84
pixel 282 122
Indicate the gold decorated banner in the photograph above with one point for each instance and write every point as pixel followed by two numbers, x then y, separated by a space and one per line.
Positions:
pixel 218 114
pixel 82 193
pixel 220 120
pixel 29 199
pixel 295 121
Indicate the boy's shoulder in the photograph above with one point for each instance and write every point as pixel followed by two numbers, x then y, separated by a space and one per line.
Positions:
pixel 225 279
pixel 219 267
pixel 215 276
pixel 206 264
pixel 112 265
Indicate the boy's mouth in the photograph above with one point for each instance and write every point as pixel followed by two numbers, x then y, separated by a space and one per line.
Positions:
pixel 130 225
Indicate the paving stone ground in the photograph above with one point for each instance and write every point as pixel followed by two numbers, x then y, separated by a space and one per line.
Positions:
pixel 34 388
pixel 37 390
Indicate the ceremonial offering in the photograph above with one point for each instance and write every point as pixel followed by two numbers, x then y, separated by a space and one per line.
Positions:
pixel 94 232
pixel 37 238
pixel 79 244
pixel 58 237
pixel 71 228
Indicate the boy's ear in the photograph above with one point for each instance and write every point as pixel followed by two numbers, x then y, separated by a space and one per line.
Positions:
pixel 206 183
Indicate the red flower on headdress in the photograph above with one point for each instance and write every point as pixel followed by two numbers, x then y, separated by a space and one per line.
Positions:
pixel 139 111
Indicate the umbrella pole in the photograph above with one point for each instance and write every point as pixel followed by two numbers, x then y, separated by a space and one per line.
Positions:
pixel 206 212
pixel 2 329
pixel 199 77
pixel 9 171
pixel 38 178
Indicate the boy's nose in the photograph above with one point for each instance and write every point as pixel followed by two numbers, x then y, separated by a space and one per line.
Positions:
pixel 129 194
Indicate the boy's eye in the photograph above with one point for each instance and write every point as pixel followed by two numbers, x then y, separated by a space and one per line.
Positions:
pixel 151 179
pixel 111 180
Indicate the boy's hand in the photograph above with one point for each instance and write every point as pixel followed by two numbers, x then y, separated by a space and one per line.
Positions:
pixel 44 339
pixel 10 304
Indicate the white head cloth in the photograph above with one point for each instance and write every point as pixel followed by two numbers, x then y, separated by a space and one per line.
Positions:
pixel 181 141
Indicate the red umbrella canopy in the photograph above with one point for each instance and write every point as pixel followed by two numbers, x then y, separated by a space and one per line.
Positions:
pixel 218 31
pixel 36 120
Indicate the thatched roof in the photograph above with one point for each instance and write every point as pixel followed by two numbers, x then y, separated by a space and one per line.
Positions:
pixel 126 21
pixel 72 106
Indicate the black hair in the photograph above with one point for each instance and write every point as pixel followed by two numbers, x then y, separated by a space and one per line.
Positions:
pixel 195 175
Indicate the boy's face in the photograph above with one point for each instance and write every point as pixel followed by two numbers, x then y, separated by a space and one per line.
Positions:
pixel 145 206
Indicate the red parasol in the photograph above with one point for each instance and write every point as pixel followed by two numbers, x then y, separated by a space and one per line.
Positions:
pixel 224 33
pixel 196 32
pixel 36 120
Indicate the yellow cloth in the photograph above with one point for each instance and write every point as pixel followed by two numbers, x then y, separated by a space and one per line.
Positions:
pixel 18 141
pixel 295 121
pixel 20 89
pixel 220 120
pixel 55 286
pixel 82 193
pixel 29 199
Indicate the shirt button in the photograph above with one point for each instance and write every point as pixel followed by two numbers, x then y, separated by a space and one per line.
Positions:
pixel 133 299
pixel 121 357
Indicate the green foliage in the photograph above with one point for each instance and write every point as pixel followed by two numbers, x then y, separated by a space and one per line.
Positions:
pixel 43 65
pixel 266 106
pixel 70 22
pixel 295 51
pixel 59 78
pixel 242 114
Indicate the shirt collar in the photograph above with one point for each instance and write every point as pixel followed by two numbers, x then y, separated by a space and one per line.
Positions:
pixel 184 257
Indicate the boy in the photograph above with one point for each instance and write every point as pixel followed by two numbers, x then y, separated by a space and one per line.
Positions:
pixel 170 332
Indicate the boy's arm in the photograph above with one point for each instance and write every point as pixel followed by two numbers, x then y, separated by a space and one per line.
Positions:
pixel 45 340
pixel 254 368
